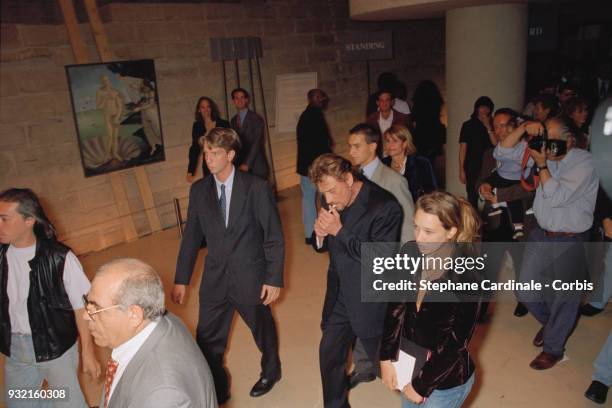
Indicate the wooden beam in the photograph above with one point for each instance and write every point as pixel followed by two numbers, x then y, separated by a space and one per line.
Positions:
pixel 81 55
pixel 99 34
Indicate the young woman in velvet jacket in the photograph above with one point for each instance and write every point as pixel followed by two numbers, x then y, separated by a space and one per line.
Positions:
pixel 206 118
pixel 441 323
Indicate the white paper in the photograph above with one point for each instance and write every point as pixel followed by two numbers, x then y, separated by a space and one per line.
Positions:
pixel 404 367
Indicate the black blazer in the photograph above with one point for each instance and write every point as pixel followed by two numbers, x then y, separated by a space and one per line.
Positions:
pixel 313 138
pixel 442 326
pixel 241 258
pixel 252 136
pixel 419 174
pixel 374 216
pixel 197 131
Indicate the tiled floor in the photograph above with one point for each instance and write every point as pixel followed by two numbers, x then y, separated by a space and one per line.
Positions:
pixel 502 348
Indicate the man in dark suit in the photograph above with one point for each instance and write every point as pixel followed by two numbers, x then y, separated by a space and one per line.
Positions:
pixel 236 213
pixel 154 361
pixel 313 139
pixel 355 211
pixel 251 128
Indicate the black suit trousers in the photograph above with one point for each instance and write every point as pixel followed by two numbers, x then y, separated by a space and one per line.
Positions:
pixel 338 337
pixel 212 333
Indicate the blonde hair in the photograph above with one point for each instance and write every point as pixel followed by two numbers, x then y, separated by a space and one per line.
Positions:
pixel 402 134
pixel 452 212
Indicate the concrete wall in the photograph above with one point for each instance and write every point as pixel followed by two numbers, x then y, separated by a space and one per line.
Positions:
pixel 38 146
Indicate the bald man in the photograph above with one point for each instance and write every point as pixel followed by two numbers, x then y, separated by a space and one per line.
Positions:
pixel 154 362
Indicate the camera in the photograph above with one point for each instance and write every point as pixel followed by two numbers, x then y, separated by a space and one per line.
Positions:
pixel 536 142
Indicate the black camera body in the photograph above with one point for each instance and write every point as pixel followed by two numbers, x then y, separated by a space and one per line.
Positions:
pixel 536 142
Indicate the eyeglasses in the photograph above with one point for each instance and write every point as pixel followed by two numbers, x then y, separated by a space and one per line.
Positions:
pixel 91 314
pixel 500 125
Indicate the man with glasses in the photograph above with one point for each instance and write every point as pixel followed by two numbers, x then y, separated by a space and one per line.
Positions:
pixel 154 360
pixel 40 306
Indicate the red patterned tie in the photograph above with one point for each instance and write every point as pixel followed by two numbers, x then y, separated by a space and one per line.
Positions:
pixel 111 369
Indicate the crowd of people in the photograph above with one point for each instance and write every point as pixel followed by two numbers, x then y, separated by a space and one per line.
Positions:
pixel 529 179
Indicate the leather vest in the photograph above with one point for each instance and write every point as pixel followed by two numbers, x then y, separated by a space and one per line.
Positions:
pixel 50 312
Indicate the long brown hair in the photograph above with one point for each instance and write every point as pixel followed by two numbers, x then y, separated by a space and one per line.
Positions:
pixel 452 212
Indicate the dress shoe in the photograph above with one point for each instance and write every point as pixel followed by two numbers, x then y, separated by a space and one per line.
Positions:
pixel 545 360
pixel 538 340
pixel 262 386
pixel 308 241
pixel 355 378
pixel 520 310
pixel 589 310
pixel 597 392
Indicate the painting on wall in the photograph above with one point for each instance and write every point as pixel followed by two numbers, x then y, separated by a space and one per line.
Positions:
pixel 116 113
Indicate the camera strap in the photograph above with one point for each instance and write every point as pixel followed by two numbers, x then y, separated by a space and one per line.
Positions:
pixel 536 179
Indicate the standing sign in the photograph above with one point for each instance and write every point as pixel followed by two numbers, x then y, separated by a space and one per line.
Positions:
pixel 363 46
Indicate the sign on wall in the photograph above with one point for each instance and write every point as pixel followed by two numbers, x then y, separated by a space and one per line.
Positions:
pixel 116 113
pixel 362 46
pixel 291 90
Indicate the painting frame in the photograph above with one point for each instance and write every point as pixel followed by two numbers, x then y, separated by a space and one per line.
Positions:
pixel 115 107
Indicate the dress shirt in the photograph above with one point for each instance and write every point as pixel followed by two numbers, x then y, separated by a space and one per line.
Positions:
pixel 125 352
pixel 242 114
pixel 370 168
pixel 385 124
pixel 228 191
pixel 566 202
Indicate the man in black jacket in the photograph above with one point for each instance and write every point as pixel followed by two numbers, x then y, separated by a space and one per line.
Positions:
pixel 355 211
pixel 236 213
pixel 41 304
pixel 313 140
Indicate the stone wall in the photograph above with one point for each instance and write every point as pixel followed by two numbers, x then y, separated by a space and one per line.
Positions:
pixel 38 147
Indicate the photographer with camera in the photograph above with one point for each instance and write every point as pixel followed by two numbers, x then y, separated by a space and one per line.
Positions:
pixel 563 207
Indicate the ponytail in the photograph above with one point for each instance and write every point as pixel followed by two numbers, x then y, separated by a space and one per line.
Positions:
pixel 469 229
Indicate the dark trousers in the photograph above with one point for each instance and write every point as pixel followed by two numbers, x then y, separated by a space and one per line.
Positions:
pixel 545 260
pixel 517 213
pixel 212 333
pixel 338 337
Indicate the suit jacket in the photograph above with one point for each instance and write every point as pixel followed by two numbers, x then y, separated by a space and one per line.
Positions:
pixel 374 216
pixel 397 185
pixel 252 136
pixel 243 256
pixel 398 119
pixel 313 138
pixel 197 131
pixel 419 174
pixel 168 370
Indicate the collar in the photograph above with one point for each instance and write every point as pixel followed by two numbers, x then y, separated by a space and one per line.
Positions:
pixel 126 351
pixel 229 182
pixel 370 168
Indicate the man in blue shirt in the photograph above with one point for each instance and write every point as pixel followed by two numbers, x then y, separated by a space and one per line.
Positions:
pixel 563 206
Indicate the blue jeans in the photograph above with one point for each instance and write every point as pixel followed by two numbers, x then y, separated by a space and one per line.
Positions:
pixel 603 288
pixel 21 371
pixel 451 398
pixel 603 363
pixel 309 208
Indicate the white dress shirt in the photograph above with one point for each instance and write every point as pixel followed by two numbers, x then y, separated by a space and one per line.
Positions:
pixel 125 352
pixel 229 183
pixel 385 124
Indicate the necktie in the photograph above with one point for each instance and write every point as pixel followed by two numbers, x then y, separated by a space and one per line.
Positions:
pixel 111 369
pixel 238 120
pixel 222 202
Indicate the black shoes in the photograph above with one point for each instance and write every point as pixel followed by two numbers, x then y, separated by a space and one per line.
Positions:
pixel 262 386
pixel 520 310
pixel 308 241
pixel 597 392
pixel 357 378
pixel 589 310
